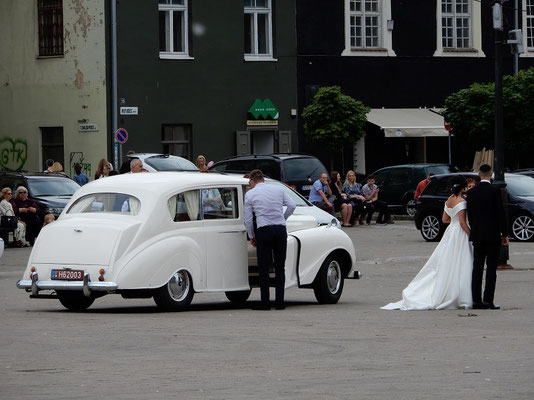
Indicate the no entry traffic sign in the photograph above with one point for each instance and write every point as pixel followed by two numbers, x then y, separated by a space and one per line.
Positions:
pixel 121 135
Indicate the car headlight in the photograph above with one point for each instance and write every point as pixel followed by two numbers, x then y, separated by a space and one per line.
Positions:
pixel 53 210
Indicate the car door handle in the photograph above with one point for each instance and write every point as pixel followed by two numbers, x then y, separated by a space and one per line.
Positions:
pixel 234 231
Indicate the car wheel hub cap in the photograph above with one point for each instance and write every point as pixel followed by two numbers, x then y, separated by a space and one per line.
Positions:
pixel 179 286
pixel 333 277
pixel 523 228
pixel 430 227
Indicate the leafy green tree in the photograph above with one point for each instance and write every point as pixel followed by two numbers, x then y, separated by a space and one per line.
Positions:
pixel 471 113
pixel 334 119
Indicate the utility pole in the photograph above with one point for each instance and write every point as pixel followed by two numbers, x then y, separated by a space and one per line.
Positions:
pixel 516 26
pixel 498 164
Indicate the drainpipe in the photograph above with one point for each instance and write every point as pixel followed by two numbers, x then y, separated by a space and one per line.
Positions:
pixel 114 102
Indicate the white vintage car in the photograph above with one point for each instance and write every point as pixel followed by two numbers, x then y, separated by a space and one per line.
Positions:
pixel 169 235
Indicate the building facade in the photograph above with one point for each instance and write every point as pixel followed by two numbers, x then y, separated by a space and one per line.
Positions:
pixel 216 78
pixel 398 55
pixel 53 84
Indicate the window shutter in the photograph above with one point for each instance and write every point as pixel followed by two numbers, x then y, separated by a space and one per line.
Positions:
pixel 242 139
pixel 284 142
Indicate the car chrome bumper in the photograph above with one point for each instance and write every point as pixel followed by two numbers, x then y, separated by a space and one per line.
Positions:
pixel 86 285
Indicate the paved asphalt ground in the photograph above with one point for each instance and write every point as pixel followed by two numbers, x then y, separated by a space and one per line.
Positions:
pixel 126 349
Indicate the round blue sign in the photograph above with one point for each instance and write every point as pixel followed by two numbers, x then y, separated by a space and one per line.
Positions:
pixel 121 135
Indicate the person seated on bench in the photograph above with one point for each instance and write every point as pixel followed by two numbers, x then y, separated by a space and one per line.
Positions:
pixel 6 209
pixel 27 211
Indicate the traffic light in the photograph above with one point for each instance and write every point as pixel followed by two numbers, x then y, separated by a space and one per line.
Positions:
pixel 516 41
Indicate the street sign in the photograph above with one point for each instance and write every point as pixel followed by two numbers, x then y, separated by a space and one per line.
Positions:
pixel 446 125
pixel 121 135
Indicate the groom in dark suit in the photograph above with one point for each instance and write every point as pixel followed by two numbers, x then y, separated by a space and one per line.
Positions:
pixel 489 230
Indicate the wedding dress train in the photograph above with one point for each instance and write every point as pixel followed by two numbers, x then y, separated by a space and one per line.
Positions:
pixel 444 282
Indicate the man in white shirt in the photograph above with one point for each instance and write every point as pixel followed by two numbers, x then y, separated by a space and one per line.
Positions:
pixel 270 238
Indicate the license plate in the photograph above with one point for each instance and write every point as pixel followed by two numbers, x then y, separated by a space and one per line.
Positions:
pixel 67 274
pixel 306 187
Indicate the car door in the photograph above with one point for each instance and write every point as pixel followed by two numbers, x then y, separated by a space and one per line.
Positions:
pixel 226 238
pixel 400 181
pixel 381 180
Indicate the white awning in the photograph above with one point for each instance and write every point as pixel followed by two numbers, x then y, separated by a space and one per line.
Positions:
pixel 408 122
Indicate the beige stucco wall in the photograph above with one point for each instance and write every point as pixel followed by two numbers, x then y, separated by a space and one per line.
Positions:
pixel 49 92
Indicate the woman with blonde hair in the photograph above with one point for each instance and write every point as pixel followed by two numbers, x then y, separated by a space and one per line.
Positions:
pixel 6 209
pixel 56 167
pixel 103 169
pixel 201 163
pixel 354 193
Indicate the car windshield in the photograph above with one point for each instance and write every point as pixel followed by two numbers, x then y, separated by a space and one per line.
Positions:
pixel 50 186
pixel 297 198
pixel 520 185
pixel 170 163
pixel 300 169
pixel 106 203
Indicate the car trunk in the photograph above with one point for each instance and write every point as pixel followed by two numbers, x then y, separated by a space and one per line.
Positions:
pixel 79 241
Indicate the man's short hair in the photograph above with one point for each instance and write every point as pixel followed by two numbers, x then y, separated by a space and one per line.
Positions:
pixel 49 162
pixel 370 177
pixel 256 175
pixel 485 169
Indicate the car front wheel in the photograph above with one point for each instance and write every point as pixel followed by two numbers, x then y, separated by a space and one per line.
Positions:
pixel 523 228
pixel 175 295
pixel 328 284
pixel 431 228
pixel 74 301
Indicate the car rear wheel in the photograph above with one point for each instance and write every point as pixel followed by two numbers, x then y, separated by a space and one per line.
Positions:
pixel 75 301
pixel 239 296
pixel 175 295
pixel 523 228
pixel 328 284
pixel 431 228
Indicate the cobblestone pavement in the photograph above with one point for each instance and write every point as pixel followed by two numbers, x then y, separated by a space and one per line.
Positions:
pixel 126 349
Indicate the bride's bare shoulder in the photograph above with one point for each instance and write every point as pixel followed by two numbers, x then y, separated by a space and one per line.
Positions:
pixel 453 201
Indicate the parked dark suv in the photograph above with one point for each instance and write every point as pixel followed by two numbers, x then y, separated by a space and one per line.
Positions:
pixel 51 192
pixel 520 206
pixel 398 183
pixel 299 171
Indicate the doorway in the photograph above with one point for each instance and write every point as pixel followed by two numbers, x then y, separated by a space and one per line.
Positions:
pixel 262 142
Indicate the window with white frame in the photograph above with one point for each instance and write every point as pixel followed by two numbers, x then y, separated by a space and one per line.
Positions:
pixel 173 29
pixel 456 24
pixel 258 29
pixel 368 27
pixel 529 24
pixel 459 28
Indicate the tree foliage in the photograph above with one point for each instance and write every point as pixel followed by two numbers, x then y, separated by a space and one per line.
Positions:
pixel 334 119
pixel 471 112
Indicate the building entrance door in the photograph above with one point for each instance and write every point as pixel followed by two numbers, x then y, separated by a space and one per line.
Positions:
pixel 262 142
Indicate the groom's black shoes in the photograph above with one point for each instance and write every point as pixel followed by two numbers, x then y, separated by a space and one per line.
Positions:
pixel 485 306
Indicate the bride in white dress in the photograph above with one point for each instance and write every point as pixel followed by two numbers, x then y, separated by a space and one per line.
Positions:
pixel 445 280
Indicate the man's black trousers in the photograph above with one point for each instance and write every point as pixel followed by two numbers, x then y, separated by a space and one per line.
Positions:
pixel 487 252
pixel 271 243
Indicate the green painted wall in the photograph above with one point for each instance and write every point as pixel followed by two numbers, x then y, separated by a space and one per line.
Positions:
pixel 214 91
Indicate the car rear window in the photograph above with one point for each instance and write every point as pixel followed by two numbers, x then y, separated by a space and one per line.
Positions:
pixel 106 203
pixel 302 169
pixel 520 185
pixel 49 186
pixel 442 169
pixel 269 168
pixel 170 163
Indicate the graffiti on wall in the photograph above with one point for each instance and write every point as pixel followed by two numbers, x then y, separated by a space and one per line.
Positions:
pixel 76 157
pixel 13 154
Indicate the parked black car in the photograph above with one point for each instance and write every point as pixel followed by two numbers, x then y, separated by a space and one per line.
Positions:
pixel 520 206
pixel 51 192
pixel 398 183
pixel 299 171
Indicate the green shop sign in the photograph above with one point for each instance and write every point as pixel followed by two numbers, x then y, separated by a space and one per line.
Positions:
pixel 263 108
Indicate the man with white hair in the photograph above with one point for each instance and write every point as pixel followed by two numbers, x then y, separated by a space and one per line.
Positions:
pixel 136 165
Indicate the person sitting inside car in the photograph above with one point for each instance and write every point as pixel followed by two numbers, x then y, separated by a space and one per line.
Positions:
pixel 370 191
pixel 321 195
pixel 27 211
